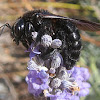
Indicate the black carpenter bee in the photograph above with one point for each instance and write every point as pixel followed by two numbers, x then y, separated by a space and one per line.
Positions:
pixel 58 27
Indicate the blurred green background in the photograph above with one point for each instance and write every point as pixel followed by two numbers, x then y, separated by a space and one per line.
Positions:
pixel 13 59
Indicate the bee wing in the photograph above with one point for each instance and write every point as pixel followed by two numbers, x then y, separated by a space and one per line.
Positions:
pixel 81 24
pixel 86 25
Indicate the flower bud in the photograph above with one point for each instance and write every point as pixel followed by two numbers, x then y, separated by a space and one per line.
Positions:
pixel 56 61
pixel 56 43
pixel 56 83
pixel 32 65
pixel 52 70
pixel 63 75
pixel 65 84
pixel 46 40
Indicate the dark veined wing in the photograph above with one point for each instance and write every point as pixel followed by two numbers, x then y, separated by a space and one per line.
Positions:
pixel 81 24
pixel 86 25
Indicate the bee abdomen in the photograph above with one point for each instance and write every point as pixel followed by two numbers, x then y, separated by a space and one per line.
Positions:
pixel 74 55
pixel 72 50
pixel 75 36
pixel 68 62
pixel 76 45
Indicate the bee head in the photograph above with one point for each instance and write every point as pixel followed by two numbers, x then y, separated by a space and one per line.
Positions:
pixel 18 30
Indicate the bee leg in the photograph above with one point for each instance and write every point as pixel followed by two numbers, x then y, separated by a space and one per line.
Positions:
pixel 28 33
pixel 29 29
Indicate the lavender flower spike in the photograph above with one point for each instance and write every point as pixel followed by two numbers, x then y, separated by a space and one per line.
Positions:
pixel 51 78
pixel 37 81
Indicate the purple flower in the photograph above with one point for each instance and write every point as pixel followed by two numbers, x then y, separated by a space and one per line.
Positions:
pixel 81 75
pixel 52 79
pixel 81 88
pixel 60 96
pixel 77 74
pixel 74 97
pixel 85 73
pixel 37 81
pixel 33 51
pixel 84 88
pixel 63 96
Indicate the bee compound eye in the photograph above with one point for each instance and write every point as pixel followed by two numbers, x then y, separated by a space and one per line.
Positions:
pixel 18 28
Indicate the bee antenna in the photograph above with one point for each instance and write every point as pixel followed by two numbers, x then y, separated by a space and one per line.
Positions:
pixel 3 26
